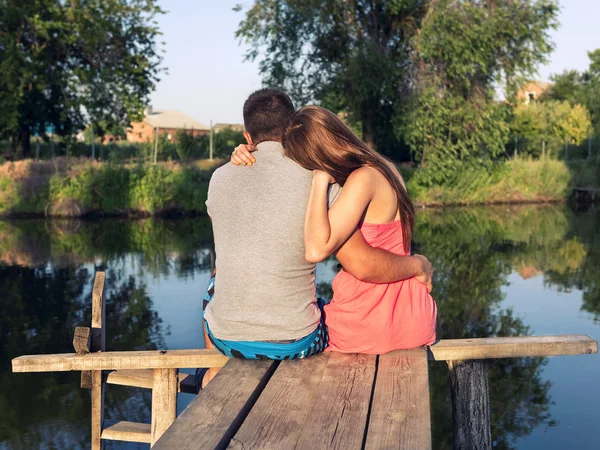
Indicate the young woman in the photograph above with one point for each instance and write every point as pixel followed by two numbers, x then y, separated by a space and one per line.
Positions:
pixel 362 317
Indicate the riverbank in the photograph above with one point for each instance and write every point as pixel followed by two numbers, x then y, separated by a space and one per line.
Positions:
pixel 77 187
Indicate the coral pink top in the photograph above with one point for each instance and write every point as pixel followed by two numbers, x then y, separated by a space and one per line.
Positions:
pixel 378 318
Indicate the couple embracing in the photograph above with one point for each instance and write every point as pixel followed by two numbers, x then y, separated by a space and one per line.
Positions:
pixel 277 209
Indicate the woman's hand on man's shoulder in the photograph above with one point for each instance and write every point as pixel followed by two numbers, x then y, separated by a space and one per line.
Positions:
pixel 242 155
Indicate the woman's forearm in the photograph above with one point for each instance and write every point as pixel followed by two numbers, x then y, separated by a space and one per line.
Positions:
pixel 317 229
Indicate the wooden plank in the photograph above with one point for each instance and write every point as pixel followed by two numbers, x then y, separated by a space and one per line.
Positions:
pixel 128 431
pixel 97 345
pixel 143 378
pixel 470 405
pixel 446 350
pixel 400 414
pixel 215 415
pixel 98 339
pixel 146 359
pixel 164 401
pixel 277 418
pixel 512 347
pixel 338 415
pixel 82 340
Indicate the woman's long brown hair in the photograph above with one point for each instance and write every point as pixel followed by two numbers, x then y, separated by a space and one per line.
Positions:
pixel 317 139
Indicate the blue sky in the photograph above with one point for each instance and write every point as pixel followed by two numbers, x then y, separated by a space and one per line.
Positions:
pixel 208 79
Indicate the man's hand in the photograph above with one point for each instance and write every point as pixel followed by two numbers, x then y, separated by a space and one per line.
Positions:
pixel 426 274
pixel 242 155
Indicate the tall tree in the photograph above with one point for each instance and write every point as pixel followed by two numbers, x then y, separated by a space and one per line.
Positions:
pixel 66 62
pixel 372 58
pixel 463 50
pixel 352 56
pixel 580 88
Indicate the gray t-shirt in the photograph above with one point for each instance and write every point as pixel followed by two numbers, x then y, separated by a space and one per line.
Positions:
pixel 265 288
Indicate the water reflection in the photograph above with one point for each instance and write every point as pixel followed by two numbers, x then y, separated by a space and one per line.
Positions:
pixel 46 271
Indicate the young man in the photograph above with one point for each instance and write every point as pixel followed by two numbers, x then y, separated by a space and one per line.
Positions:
pixel 264 303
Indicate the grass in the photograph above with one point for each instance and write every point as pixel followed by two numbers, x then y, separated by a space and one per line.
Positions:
pixel 77 186
pixel 516 181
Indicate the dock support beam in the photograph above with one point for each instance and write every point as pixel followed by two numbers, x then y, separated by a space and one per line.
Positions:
pixel 98 344
pixel 164 401
pixel 470 405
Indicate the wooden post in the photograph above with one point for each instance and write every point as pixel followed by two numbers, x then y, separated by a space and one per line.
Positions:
pixel 470 405
pixel 544 150
pixel 164 401
pixel 97 344
pixel 82 340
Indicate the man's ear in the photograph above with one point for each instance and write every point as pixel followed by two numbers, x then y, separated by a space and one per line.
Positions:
pixel 248 138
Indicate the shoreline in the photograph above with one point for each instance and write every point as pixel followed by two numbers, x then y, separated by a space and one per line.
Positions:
pixel 174 213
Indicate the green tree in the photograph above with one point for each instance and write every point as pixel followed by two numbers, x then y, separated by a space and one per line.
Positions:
pixel 225 141
pixel 551 123
pixel 65 63
pixel 350 56
pixel 580 88
pixel 462 51
pixel 393 65
pixel 186 145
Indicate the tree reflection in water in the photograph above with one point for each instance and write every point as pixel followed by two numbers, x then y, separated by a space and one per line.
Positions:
pixel 46 274
pixel 46 271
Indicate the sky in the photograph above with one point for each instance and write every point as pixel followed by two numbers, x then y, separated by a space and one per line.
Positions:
pixel 208 78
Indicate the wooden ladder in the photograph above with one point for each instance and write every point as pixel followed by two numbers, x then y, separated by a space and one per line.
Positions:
pixel 165 383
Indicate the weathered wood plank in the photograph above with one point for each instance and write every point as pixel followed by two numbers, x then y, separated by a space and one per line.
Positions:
pixel 97 345
pixel 215 415
pixel 98 339
pixel 338 415
pixel 400 414
pixel 128 431
pixel 147 359
pixel 82 340
pixel 446 350
pixel 470 405
pixel 164 401
pixel 277 418
pixel 512 347
pixel 144 378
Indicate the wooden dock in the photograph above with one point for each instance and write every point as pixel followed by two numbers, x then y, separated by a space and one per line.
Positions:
pixel 332 400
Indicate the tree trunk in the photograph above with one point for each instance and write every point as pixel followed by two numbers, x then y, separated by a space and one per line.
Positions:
pixel 368 136
pixel 23 144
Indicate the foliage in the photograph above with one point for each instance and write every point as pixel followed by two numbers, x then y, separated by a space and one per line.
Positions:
pixel 550 123
pixel 112 189
pixel 419 72
pixel 447 133
pixel 186 145
pixel 580 88
pixel 225 141
pixel 517 180
pixel 63 64
pixel 463 50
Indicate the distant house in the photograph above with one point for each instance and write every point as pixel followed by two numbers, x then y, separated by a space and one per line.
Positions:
pixel 532 91
pixel 165 123
pixel 217 127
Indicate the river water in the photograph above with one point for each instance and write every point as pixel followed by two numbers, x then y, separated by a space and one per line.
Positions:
pixel 500 271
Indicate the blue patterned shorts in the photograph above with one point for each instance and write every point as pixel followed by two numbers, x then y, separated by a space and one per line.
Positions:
pixel 309 345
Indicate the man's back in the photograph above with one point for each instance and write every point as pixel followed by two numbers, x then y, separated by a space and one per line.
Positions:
pixel 264 289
